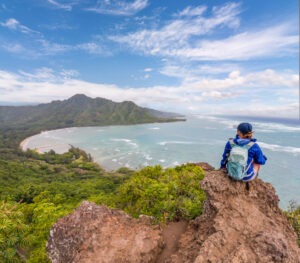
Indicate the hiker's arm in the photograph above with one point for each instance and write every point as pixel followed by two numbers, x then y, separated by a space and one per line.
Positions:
pixel 225 155
pixel 259 157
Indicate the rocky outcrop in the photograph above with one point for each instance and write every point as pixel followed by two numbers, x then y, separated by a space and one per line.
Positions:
pixel 237 225
pixel 98 234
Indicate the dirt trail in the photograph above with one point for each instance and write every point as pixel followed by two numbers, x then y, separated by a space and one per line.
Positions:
pixel 171 234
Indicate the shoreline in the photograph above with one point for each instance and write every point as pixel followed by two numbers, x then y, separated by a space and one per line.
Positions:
pixel 23 144
pixel 44 148
pixel 274 149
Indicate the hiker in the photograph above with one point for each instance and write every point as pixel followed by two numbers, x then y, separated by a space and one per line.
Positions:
pixel 242 156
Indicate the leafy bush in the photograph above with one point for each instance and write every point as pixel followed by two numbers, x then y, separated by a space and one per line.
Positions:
pixel 12 232
pixel 293 216
pixel 37 189
pixel 41 215
pixel 167 195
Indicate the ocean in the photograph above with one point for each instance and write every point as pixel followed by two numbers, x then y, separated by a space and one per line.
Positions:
pixel 199 139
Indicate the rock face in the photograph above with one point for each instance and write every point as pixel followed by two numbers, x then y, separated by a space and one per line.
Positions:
pixel 238 225
pixel 98 234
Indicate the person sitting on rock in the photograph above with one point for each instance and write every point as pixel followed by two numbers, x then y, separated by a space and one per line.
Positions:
pixel 242 156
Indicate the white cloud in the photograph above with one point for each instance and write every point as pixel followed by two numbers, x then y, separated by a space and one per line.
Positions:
pixel 67 7
pixel 39 47
pixel 271 78
pixel 177 33
pixel 216 69
pixel 244 46
pixel 267 79
pixel 50 48
pixel 260 109
pixel 219 95
pixel 229 12
pixel 193 35
pixel 8 81
pixel 226 76
pixel 234 74
pixel 11 23
pixel 148 69
pixel 36 48
pixel 191 73
pixel 204 96
pixel 14 24
pixel 69 73
pixel 93 48
pixel 15 48
pixel 42 74
pixel 119 8
pixel 49 75
pixel 190 11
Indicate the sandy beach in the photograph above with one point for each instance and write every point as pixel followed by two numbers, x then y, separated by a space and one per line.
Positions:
pixel 24 144
pixel 44 146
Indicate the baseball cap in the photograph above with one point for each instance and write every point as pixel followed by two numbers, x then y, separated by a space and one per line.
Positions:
pixel 245 128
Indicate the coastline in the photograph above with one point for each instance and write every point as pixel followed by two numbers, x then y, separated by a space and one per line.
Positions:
pixel 23 145
pixel 117 146
pixel 58 148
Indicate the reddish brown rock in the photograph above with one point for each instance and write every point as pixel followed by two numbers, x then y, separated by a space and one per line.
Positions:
pixel 238 226
pixel 98 234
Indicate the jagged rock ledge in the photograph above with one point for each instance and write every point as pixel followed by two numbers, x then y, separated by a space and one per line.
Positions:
pixel 237 225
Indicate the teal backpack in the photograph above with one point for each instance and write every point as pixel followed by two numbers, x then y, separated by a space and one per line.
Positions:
pixel 237 160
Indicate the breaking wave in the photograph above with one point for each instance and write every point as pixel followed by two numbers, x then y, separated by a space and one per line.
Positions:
pixel 279 148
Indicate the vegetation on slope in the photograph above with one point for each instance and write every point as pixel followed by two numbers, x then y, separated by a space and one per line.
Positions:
pixel 37 189
pixel 170 194
pixel 78 110
pixel 293 215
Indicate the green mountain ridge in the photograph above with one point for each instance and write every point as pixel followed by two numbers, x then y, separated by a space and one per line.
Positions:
pixel 80 110
pixel 77 111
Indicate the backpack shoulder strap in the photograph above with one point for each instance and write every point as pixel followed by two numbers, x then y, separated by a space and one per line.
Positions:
pixel 231 141
pixel 249 145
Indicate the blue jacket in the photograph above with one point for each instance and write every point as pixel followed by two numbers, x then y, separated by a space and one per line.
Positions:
pixel 254 153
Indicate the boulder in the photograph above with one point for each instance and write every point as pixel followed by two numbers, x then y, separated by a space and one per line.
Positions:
pixel 98 234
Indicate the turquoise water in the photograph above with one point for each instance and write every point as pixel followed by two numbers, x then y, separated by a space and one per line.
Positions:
pixel 199 139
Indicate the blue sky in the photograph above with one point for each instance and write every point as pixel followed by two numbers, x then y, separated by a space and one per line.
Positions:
pixel 202 57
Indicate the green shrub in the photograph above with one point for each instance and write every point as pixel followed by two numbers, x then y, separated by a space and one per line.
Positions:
pixel 12 232
pixel 49 186
pixel 167 195
pixel 293 216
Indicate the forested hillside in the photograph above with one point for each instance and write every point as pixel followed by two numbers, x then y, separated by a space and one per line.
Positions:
pixel 79 110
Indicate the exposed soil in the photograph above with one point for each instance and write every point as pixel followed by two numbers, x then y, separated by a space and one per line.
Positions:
pixel 171 234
